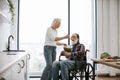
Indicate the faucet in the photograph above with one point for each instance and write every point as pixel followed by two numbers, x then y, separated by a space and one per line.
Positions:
pixel 11 36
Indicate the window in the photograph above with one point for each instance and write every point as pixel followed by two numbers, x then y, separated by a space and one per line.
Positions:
pixel 37 15
pixel 81 22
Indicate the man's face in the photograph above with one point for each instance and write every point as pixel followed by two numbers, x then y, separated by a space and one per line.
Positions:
pixel 74 39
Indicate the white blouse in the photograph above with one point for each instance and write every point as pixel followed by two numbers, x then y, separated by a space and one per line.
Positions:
pixel 50 37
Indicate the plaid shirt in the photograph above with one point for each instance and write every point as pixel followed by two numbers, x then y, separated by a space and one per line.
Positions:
pixel 78 51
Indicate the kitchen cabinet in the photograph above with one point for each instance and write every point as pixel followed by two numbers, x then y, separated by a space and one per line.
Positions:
pixel 4 5
pixel 17 69
pixel 4 11
pixel 6 75
pixel 3 19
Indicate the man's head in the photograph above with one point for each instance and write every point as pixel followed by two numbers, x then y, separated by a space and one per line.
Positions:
pixel 75 38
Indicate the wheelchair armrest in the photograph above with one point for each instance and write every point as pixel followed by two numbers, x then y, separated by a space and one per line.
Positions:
pixel 87 50
pixel 61 54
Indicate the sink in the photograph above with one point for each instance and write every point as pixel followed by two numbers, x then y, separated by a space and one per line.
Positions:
pixel 14 51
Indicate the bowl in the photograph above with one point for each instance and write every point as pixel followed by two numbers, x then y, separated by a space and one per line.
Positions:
pixel 66 48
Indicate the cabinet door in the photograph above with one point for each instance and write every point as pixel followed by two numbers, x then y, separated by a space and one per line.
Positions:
pixel 6 75
pixel 27 65
pixel 4 5
pixel 19 70
pixel 23 74
pixel 16 70
pixel 4 9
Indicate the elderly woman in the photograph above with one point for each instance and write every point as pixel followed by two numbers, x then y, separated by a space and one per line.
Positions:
pixel 51 40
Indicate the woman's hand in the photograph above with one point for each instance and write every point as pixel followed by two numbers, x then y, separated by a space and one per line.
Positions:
pixel 67 36
pixel 60 44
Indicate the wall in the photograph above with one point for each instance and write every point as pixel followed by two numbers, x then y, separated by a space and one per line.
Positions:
pixel 108 30
pixel 5 27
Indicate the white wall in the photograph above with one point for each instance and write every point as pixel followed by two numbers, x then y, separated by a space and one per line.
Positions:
pixel 5 27
pixel 4 33
pixel 108 30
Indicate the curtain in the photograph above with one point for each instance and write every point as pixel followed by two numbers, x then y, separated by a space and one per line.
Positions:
pixel 108 30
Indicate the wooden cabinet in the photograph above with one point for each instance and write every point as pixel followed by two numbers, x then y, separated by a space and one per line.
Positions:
pixel 17 71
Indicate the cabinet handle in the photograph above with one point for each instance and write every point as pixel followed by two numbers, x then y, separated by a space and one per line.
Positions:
pixel 28 56
pixel 23 63
pixel 20 68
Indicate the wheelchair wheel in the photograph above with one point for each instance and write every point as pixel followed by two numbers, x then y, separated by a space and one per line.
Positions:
pixel 88 72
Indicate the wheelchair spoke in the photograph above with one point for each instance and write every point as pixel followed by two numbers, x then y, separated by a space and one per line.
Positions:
pixel 89 72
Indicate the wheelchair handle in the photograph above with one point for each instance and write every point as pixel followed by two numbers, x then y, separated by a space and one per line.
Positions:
pixel 87 50
pixel 62 53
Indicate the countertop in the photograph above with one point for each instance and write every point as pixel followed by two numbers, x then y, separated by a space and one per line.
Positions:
pixel 7 59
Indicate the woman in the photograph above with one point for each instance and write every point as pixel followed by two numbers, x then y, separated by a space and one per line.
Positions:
pixel 51 40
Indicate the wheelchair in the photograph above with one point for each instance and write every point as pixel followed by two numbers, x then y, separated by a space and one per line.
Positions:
pixel 83 72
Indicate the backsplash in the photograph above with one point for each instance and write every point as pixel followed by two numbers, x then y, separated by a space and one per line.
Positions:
pixel 6 28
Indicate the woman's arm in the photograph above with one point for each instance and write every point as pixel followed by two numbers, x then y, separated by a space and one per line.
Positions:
pixel 61 38
pixel 59 44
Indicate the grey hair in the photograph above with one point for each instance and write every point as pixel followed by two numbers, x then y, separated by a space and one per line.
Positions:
pixel 56 20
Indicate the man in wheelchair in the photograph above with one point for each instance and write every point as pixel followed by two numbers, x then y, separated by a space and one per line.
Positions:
pixel 64 66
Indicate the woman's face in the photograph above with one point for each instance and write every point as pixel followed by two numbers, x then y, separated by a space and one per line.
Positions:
pixel 57 25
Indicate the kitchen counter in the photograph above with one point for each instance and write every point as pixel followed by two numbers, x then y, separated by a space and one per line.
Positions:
pixel 7 59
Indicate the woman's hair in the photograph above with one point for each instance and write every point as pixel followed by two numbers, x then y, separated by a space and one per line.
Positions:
pixel 56 20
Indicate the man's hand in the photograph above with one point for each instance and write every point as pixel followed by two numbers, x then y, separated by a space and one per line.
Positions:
pixel 67 54
pixel 64 44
